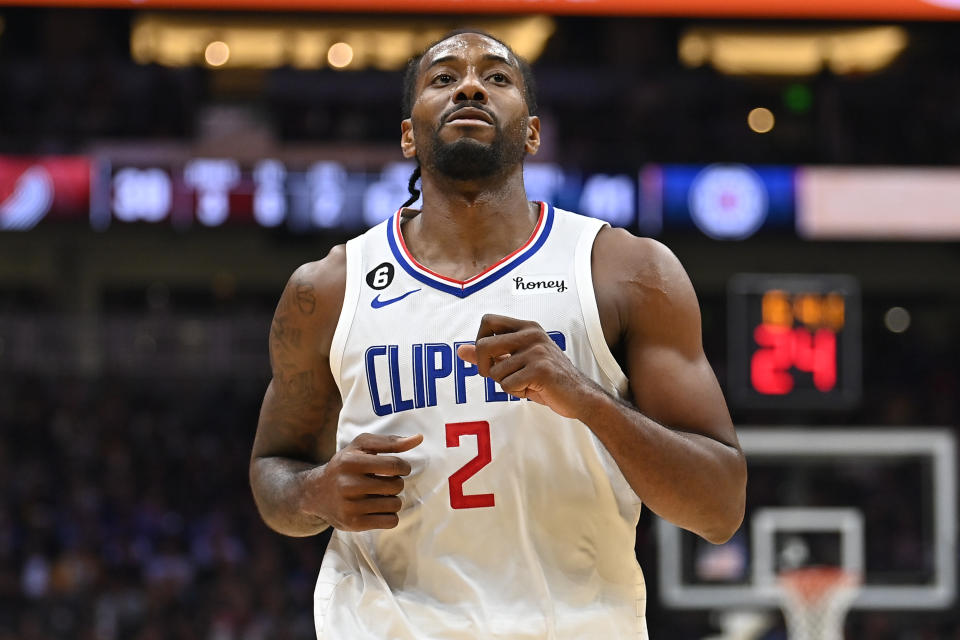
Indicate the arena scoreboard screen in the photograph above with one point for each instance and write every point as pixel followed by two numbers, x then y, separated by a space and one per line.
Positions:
pixel 794 341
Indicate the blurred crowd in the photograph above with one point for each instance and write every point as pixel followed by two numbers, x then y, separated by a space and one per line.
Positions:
pixel 126 515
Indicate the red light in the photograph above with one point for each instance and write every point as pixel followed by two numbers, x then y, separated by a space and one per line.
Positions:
pixel 782 348
pixel 817 354
pixel 769 367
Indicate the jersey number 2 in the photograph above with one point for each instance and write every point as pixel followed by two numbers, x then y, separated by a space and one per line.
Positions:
pixel 455 430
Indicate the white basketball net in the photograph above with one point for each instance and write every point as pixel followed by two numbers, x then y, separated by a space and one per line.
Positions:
pixel 815 601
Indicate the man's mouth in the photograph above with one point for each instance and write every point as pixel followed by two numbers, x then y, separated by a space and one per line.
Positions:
pixel 470 116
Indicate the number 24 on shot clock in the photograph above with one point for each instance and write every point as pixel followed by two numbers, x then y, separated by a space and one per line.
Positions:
pixel 794 341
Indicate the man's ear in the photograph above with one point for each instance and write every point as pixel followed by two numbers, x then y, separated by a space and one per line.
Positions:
pixel 532 144
pixel 407 144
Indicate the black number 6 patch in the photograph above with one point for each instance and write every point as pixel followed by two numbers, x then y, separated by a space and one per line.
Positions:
pixel 380 276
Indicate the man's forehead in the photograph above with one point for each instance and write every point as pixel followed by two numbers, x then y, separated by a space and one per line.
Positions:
pixel 462 45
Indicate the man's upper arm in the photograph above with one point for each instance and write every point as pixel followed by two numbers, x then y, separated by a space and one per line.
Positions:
pixel 648 305
pixel 298 418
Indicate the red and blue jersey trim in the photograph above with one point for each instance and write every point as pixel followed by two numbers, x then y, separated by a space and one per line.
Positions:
pixel 463 288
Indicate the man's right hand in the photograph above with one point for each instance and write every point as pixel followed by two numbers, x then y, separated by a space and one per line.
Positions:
pixel 358 489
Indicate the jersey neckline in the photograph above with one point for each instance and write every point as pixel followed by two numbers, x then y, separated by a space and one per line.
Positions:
pixel 463 288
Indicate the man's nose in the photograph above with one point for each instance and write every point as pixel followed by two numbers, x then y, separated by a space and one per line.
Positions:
pixel 471 89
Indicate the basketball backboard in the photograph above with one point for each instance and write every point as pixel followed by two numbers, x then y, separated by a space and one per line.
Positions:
pixel 879 502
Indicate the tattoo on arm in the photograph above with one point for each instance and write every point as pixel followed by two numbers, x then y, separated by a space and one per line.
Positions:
pixel 283 335
pixel 305 434
pixel 306 300
pixel 286 334
pixel 303 415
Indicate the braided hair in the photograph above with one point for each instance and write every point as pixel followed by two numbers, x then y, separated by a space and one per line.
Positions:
pixel 410 83
pixel 412 187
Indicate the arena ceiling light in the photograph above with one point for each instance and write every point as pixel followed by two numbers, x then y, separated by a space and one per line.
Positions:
pixel 897 10
pixel 792 52
pixel 263 42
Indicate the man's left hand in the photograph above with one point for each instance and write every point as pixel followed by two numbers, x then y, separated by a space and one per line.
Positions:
pixel 527 363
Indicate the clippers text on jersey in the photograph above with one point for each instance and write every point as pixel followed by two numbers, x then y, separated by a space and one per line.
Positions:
pixel 434 368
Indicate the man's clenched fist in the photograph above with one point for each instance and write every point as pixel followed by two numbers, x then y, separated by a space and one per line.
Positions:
pixel 358 489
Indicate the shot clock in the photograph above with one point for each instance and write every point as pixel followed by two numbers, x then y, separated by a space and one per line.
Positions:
pixel 794 341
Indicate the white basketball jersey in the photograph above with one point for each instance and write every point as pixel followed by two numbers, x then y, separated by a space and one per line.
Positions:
pixel 516 522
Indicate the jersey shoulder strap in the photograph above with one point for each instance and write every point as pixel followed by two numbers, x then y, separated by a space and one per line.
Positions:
pixel 351 297
pixel 583 271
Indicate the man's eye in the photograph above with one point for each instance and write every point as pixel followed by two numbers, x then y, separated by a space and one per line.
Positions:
pixel 499 77
pixel 443 78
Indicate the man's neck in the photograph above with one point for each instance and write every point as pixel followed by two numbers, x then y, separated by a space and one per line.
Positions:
pixel 464 228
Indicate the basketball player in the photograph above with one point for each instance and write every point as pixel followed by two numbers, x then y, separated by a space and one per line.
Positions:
pixel 478 395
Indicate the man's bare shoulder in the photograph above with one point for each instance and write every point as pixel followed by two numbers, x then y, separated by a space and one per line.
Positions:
pixel 312 300
pixel 327 275
pixel 628 259
pixel 640 280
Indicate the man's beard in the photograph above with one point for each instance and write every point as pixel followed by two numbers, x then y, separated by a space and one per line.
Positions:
pixel 468 159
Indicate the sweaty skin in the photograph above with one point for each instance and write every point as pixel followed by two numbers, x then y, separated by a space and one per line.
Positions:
pixel 674 440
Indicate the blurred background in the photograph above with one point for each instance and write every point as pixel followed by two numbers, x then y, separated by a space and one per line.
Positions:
pixel 164 167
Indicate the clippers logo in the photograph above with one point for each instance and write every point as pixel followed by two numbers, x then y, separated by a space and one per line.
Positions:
pixel 539 284
pixel 27 200
pixel 728 202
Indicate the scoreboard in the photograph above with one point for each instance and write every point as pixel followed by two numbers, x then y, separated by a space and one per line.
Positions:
pixel 794 341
